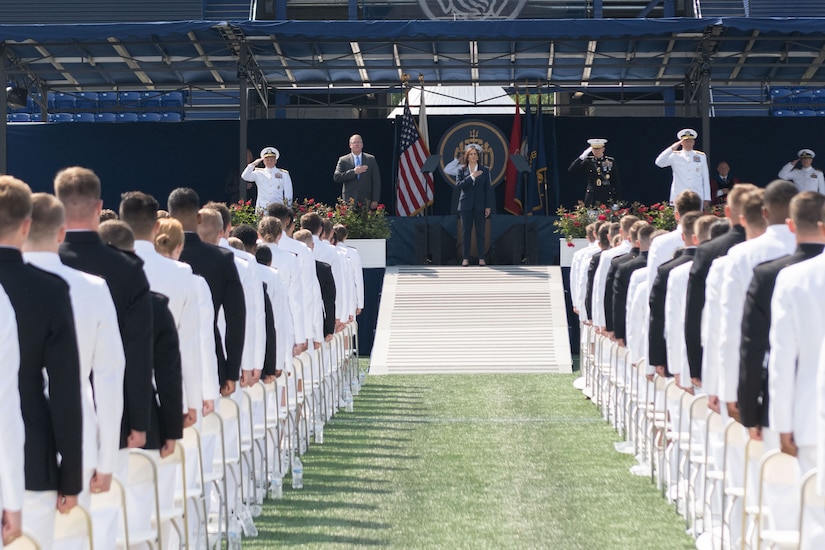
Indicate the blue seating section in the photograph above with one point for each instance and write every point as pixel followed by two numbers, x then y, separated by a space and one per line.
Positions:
pixel 150 106
pixel 796 101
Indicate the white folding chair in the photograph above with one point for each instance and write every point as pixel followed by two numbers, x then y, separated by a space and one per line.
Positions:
pixel 77 524
pixel 143 480
pixel 212 426
pixel 192 493
pixel 230 414
pixel 173 511
pixel 776 469
pixel 23 542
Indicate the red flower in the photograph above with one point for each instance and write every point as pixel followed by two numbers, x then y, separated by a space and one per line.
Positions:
pixel 643 208
pixel 329 214
pixel 311 201
pixel 303 209
pixel 577 224
pixel 571 245
pixel 381 207
pixel 602 217
pixel 249 203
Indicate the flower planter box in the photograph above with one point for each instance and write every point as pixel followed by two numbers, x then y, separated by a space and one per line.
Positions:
pixel 373 252
pixel 566 251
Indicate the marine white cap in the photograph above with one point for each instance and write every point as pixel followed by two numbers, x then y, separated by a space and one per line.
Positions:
pixel 597 143
pixel 270 152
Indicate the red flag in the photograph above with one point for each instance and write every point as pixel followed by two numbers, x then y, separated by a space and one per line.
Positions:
pixel 512 178
pixel 415 189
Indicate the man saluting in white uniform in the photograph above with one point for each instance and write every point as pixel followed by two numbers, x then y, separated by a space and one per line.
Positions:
pixel 690 167
pixel 274 184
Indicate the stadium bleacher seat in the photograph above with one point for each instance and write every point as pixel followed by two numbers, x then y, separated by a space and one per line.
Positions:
pixel 84 117
pixel 149 117
pixel 171 117
pixel 105 117
pixel 805 112
pixel 130 100
pixel 782 112
pixel 151 100
pixel 19 117
pixel 61 117
pixel 107 100
pixel 86 100
pixel 172 99
pixel 127 117
pixel 63 101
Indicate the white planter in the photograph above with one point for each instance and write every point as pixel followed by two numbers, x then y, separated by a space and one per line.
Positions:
pixel 373 252
pixel 566 251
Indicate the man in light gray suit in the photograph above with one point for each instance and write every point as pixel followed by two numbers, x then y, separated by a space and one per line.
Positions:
pixel 358 172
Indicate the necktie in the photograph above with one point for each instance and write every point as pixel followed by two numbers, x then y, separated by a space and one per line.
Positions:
pixel 357 164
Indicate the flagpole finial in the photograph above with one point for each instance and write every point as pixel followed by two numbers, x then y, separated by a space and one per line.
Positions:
pixel 421 78
pixel 405 78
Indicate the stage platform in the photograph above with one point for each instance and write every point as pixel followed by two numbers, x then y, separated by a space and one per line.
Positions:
pixel 449 320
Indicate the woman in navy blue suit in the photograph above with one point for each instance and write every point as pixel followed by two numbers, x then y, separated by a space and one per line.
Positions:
pixel 475 201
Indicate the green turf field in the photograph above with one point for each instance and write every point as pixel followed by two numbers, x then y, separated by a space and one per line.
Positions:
pixel 488 461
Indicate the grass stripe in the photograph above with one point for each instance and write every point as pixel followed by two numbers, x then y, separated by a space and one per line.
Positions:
pixel 470 462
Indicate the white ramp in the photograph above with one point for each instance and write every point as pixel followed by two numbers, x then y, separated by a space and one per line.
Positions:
pixel 447 320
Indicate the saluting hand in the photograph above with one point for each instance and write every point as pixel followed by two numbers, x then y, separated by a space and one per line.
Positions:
pixel 676 146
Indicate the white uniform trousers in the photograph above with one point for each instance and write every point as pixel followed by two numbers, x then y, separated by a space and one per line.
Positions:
pixel 39 509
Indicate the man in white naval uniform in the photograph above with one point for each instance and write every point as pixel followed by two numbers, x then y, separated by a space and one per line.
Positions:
pixel 100 351
pixel 175 281
pixel 766 239
pixel 663 248
pixel 689 166
pixel 12 430
pixel 600 279
pixel 311 297
pixel 800 172
pixel 274 184
pixel 288 269
pixel 576 265
pixel 355 265
pixel 325 252
pixel 797 332
pixel 581 274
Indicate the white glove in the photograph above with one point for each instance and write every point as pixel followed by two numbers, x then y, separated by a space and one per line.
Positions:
pixel 585 153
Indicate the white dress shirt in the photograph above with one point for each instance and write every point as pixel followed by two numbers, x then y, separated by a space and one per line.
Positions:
pixel 357 268
pixel 254 342
pixel 284 337
pixel 575 269
pixel 709 332
pixel 675 301
pixel 349 283
pixel 210 383
pixel 100 351
pixel 274 185
pixel 797 332
pixel 690 172
pixel 581 281
pixel 662 249
pixel 637 317
pixel 820 430
pixel 325 252
pixel 775 242
pixel 805 179
pixel 174 280
pixel 289 270
pixel 12 430
pixel 600 281
pixel 313 311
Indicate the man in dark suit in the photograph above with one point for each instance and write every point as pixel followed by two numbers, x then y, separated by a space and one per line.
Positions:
pixel 705 254
pixel 657 344
pixel 621 280
pixel 753 397
pixel 48 361
pixel 358 173
pixel 217 266
pixel 79 190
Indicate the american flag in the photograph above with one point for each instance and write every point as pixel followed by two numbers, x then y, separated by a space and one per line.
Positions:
pixel 415 189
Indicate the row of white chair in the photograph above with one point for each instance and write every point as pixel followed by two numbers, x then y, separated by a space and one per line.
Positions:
pixel 691 453
pixel 236 453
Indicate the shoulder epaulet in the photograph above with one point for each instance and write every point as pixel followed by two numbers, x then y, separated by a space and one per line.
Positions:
pixel 698 151
pixel 284 170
